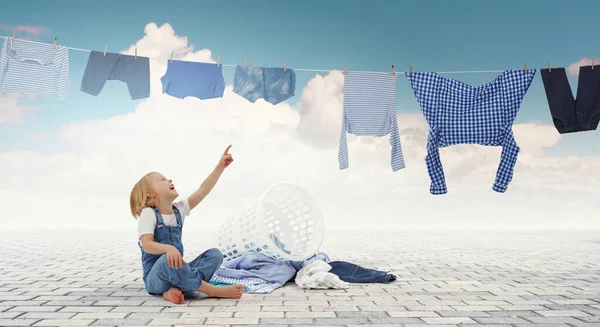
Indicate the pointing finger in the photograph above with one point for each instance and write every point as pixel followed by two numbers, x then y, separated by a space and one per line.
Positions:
pixel 229 147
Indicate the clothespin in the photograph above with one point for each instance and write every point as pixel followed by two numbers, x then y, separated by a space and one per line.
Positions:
pixel 245 63
pixel 284 65
pixel 592 63
pixel 218 60
pixel 393 71
pixel 549 69
pixel 410 71
pixel 171 56
pixel 525 68
pixel 54 43
pixel 14 34
pixel 345 71
pixel 105 46
pixel 135 54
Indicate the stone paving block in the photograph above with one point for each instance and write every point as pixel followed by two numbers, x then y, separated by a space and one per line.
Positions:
pixel 394 321
pixel 448 320
pixel 428 307
pixel 245 308
pixel 552 320
pixel 261 314
pixel 412 314
pixel 114 303
pixel 122 322
pixel 101 315
pixel 33 308
pixel 63 322
pixel 334 308
pixel 68 303
pixel 286 308
pixel 561 313
pixel 17 322
pixel 515 313
pixel 232 321
pixel 344 321
pixel 10 315
pixel 130 309
pixel 361 314
pixel 309 314
pixel 287 321
pixel 499 320
pixel 155 315
pixel 86 309
pixel 48 315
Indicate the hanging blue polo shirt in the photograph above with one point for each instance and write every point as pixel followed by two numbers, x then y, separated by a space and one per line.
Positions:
pixel 193 79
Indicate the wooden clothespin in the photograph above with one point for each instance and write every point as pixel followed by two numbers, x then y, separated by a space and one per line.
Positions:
pixel 410 71
pixel 592 63
pixel 172 56
pixel 393 70
pixel 284 65
pixel 549 69
pixel 345 71
pixel 218 61
pixel 14 34
pixel 135 57
pixel 525 68
pixel 245 61
pixel 105 46
pixel 54 43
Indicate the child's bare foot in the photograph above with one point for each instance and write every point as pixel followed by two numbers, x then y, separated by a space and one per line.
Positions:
pixel 174 295
pixel 226 292
pixel 230 292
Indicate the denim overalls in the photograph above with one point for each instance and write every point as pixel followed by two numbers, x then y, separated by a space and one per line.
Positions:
pixel 159 277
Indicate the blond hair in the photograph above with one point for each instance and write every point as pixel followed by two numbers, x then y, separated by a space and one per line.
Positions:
pixel 139 199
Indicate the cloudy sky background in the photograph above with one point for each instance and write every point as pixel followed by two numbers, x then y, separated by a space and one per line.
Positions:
pixel 71 164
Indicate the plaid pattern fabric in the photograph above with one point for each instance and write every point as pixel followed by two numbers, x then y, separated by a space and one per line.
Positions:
pixel 458 113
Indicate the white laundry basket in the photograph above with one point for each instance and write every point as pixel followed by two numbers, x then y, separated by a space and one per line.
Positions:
pixel 286 223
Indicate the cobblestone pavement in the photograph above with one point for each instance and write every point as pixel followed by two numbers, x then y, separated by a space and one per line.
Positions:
pixel 452 278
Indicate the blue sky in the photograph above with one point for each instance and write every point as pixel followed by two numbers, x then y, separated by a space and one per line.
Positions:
pixel 429 35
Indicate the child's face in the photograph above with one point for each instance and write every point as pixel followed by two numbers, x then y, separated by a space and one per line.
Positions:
pixel 164 188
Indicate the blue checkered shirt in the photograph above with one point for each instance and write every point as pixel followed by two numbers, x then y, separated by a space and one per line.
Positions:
pixel 370 109
pixel 458 113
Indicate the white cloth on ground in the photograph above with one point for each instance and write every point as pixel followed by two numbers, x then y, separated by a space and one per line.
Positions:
pixel 316 275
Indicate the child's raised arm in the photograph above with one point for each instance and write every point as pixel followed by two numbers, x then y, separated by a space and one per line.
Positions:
pixel 195 198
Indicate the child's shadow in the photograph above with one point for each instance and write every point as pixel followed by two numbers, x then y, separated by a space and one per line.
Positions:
pixel 195 296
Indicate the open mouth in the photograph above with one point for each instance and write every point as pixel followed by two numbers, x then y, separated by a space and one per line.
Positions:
pixel 172 187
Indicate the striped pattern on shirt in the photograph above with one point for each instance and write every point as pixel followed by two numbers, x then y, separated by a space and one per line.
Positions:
pixel 370 109
pixel 33 68
pixel 251 285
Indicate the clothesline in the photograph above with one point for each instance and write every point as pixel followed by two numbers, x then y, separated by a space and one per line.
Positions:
pixel 296 69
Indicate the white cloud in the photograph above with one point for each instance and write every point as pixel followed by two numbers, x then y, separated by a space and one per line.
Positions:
pixel 573 68
pixel 89 185
pixel 12 111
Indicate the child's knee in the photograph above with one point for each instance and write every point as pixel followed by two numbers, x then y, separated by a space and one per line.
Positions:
pixel 215 255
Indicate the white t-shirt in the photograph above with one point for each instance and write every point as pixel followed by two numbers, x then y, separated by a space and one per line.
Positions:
pixel 147 219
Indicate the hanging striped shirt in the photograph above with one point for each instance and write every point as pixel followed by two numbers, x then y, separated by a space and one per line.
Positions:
pixel 34 68
pixel 370 109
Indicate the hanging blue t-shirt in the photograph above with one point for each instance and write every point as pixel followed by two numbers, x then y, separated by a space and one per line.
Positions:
pixel 458 113
pixel 193 79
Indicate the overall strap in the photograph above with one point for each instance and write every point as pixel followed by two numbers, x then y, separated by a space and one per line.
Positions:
pixel 159 218
pixel 178 216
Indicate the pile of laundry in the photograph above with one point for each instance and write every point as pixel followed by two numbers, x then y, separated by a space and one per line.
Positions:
pixel 261 274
